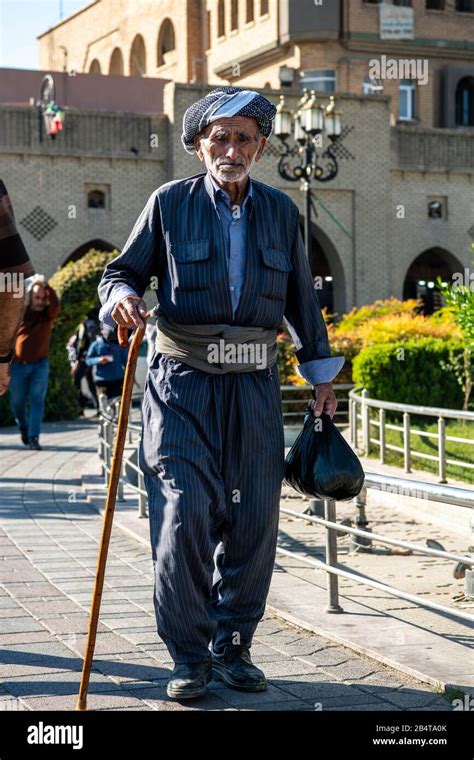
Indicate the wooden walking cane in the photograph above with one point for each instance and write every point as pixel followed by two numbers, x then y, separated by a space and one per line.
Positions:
pixel 109 512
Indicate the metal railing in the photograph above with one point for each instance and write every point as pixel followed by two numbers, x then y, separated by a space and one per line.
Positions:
pixel 360 399
pixel 413 488
pixel 441 493
pixel 295 401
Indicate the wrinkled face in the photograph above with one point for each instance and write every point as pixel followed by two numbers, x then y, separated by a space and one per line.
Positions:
pixel 38 298
pixel 229 147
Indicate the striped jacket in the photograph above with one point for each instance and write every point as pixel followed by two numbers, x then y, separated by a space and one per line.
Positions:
pixel 177 246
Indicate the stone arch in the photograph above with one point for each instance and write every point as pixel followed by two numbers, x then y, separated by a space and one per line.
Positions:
pixel 116 62
pixel 166 43
pixel 138 57
pixel 94 68
pixel 96 244
pixel 325 262
pixel 422 273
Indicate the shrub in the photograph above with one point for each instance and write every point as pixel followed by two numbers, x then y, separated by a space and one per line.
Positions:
pixel 76 285
pixel 410 372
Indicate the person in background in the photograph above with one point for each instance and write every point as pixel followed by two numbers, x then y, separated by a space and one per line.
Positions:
pixel 109 360
pixel 15 267
pixel 30 365
pixel 77 347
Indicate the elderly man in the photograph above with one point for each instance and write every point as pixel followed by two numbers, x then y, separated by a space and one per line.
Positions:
pixel 15 267
pixel 227 254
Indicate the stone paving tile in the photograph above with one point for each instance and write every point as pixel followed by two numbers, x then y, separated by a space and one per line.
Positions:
pixel 51 546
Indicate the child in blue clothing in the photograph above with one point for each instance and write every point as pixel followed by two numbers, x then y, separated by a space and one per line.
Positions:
pixel 109 360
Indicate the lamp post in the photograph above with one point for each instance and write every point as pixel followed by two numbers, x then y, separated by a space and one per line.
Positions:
pixel 302 159
pixel 50 115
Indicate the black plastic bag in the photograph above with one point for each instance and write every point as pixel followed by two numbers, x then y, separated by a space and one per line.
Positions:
pixel 321 463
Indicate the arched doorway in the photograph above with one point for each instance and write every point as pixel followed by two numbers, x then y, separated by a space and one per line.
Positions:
pixel 116 63
pixel 95 67
pixel 138 57
pixel 98 245
pixel 166 47
pixel 327 271
pixel 420 279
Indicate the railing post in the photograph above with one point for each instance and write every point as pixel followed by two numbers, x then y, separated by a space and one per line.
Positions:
pixel 365 422
pixel 356 424
pixel 120 492
pixel 108 449
pixel 442 449
pixel 382 435
pixel 331 558
pixel 406 441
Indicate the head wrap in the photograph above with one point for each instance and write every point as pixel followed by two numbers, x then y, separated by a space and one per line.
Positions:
pixel 222 103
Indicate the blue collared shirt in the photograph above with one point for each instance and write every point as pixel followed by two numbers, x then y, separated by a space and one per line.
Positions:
pixel 234 220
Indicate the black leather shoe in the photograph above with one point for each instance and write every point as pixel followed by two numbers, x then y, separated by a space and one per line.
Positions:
pixel 237 670
pixel 35 444
pixel 24 436
pixel 189 680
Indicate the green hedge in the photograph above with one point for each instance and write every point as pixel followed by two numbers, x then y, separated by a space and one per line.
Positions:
pixel 76 284
pixel 410 372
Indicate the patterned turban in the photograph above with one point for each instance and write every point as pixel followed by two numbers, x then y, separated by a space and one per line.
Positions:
pixel 222 103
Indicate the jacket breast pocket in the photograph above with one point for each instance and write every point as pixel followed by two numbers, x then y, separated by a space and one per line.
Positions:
pixel 190 265
pixel 274 273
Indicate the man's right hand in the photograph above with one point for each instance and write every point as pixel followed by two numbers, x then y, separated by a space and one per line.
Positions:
pixel 128 313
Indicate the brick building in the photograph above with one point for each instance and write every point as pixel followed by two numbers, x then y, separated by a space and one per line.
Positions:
pixel 324 44
pixel 400 210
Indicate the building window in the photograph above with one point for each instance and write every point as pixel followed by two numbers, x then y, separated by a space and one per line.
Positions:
pixel 407 100
pixel 166 43
pixel 263 7
pixel 323 80
pixel 220 19
pixel 250 11
pixel 403 3
pixel 465 6
pixel 234 15
pixel 435 5
pixel 116 63
pixel 437 208
pixel 465 102
pixel 96 199
pixel 95 67
pixel 370 86
pixel 138 57
pixel 372 2
pixel 97 196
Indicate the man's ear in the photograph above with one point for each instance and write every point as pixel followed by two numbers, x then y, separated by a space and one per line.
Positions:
pixel 197 145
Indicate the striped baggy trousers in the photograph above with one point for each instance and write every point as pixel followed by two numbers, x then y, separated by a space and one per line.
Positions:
pixel 212 455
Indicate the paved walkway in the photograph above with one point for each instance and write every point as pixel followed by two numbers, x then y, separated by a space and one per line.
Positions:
pixel 49 537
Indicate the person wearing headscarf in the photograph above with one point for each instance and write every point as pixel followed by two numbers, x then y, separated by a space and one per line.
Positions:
pixel 15 267
pixel 229 260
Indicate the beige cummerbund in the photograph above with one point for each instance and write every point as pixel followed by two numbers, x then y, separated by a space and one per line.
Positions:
pixel 217 348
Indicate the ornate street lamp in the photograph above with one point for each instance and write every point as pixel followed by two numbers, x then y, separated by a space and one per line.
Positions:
pixel 300 160
pixel 50 115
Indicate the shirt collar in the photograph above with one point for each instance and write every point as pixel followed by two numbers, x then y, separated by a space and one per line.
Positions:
pixel 214 191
